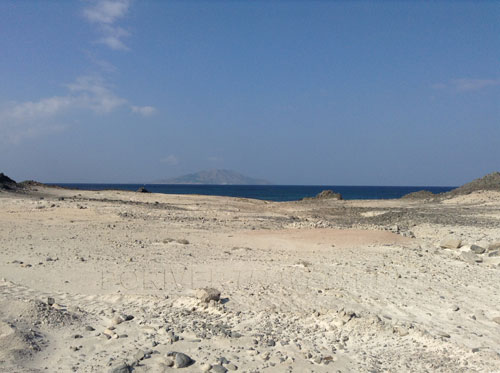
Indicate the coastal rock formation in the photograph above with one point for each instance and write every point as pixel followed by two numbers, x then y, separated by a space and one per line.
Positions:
pixel 325 194
pixel 6 182
pixel 421 194
pixel 488 182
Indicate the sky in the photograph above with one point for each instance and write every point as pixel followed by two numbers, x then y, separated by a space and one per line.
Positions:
pixel 295 92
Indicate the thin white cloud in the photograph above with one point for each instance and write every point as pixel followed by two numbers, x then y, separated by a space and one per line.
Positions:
pixel 105 14
pixel 93 93
pixel 26 119
pixel 171 160
pixel 143 110
pixel 464 85
pixel 106 11
pixel 467 85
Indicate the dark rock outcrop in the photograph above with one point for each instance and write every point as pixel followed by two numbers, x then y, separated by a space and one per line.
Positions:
pixel 6 183
pixel 142 190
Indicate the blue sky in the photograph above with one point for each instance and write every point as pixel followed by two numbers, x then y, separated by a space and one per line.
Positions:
pixel 296 92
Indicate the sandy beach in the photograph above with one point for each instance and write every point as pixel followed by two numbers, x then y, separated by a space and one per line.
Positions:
pixel 97 281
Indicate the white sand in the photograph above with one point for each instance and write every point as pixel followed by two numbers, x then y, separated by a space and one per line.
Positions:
pixel 305 286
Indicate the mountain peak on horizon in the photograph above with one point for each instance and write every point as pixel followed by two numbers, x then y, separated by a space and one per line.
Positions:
pixel 214 177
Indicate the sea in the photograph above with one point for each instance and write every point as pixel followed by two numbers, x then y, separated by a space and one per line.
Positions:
pixel 277 193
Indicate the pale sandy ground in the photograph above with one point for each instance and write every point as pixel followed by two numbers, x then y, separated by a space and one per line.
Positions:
pixel 324 286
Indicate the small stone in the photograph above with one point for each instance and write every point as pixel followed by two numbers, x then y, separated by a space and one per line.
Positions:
pixel 231 367
pixel 444 335
pixel 89 328
pixel 207 294
pixel 109 332
pixel 205 367
pixel 219 369
pixel 182 360
pixel 494 246
pixel 477 249
pixel 494 253
pixel 496 319
pixel 121 368
pixel 475 349
pixel 451 243
pixel 455 308
pixel 50 301
pixel 117 320
pixel 183 241
pixel 469 257
pixel 139 355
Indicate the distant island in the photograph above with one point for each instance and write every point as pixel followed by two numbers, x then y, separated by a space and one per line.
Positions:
pixel 214 177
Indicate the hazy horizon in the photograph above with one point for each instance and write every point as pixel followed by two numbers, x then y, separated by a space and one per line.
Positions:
pixel 296 92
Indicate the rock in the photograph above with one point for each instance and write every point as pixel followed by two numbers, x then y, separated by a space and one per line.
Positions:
pixel 50 301
pixel 205 367
pixel 231 367
pixel 496 319
pixel 182 360
pixel 139 355
pixel 477 249
pixel 470 257
pixel 325 194
pixel 494 246
pixel 6 182
pixel 117 320
pixel 451 243
pixel 207 294
pixel 109 332
pixel 443 335
pixel 89 328
pixel 219 369
pixel 494 253
pixel 121 368
pixel 142 190
pixel 172 337
pixel 183 241
pixel 421 194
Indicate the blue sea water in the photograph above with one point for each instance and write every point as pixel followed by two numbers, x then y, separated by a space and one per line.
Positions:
pixel 268 192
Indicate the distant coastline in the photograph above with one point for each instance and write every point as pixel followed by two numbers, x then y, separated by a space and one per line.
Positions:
pixel 276 193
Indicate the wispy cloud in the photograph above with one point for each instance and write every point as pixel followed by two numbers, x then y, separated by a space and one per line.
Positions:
pixel 467 84
pixel 105 14
pixel 171 160
pixel 94 94
pixel 143 110
pixel 29 118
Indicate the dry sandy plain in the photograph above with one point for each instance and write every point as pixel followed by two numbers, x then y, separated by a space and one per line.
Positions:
pixel 107 281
